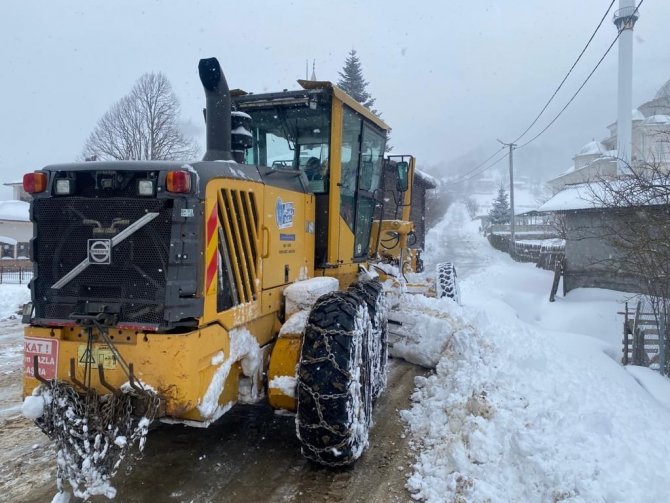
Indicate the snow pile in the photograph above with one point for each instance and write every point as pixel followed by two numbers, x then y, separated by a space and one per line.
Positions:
pixel 302 295
pixel 295 324
pixel 12 297
pixel 285 384
pixel 427 326
pixel 33 407
pixel 18 211
pixel 243 348
pixel 526 406
pixel 62 497
pixel 518 414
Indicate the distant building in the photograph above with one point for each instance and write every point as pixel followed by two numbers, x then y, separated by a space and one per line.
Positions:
pixel 18 194
pixel 16 230
pixel 651 144
pixel 591 259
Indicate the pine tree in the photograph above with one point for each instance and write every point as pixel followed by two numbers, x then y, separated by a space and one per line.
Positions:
pixel 499 212
pixel 353 83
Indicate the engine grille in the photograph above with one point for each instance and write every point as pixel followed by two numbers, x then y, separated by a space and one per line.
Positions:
pixel 134 281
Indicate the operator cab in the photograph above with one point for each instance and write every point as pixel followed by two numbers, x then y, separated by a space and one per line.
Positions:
pixel 339 146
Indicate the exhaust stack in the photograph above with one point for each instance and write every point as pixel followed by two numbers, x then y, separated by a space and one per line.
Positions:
pixel 217 111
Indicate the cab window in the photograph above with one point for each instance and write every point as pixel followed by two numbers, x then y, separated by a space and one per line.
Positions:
pixel 351 134
pixel 292 137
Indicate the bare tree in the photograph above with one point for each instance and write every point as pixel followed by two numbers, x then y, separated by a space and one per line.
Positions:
pixel 637 226
pixel 143 125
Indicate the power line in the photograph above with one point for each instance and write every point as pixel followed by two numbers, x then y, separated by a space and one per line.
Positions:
pixel 567 74
pixel 476 171
pixel 580 87
pixel 469 176
pixel 465 175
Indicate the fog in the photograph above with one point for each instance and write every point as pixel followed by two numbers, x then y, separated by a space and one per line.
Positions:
pixel 449 77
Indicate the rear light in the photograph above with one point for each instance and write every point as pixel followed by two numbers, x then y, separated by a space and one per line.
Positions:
pixel 178 182
pixel 64 187
pixel 34 182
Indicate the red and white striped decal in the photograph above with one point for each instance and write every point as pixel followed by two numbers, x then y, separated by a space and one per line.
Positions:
pixel 211 251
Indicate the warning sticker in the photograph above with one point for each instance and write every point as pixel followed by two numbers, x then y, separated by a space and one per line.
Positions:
pixel 95 355
pixel 46 351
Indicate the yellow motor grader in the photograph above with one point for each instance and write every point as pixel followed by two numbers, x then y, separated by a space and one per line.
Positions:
pixel 172 290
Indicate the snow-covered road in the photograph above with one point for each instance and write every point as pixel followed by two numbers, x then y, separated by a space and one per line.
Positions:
pixel 529 401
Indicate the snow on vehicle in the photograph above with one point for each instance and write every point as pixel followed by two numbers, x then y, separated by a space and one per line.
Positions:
pixel 172 291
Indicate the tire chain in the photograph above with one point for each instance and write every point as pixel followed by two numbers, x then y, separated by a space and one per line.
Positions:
pixel 320 400
pixel 85 429
pixel 372 293
pixel 446 276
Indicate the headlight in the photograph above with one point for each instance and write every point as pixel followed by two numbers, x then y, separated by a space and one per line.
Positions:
pixel 145 188
pixel 64 186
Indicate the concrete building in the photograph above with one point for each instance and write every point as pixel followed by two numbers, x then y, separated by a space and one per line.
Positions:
pixel 15 230
pixel 650 145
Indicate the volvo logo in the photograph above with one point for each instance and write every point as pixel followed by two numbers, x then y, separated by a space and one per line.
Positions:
pixel 100 251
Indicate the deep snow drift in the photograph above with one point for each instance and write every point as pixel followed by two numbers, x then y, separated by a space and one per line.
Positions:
pixel 529 401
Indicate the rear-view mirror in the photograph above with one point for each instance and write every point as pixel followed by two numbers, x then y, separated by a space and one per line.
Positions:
pixel 403 175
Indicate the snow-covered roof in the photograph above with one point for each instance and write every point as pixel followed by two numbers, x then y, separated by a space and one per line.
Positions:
pixel 8 240
pixel 657 119
pixel 572 197
pixel 569 170
pixel 664 91
pixel 15 211
pixel 618 193
pixel 592 147
pixel 637 115
pixel 427 179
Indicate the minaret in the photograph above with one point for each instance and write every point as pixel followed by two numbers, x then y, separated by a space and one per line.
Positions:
pixel 625 19
pixel 313 70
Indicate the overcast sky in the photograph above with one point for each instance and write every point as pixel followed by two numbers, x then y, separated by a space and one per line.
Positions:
pixel 449 76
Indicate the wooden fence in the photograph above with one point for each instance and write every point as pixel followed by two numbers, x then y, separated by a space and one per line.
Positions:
pixel 641 336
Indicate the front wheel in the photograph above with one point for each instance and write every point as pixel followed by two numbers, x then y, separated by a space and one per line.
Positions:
pixel 446 282
pixel 334 381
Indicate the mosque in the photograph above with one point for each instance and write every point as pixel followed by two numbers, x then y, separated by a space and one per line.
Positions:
pixel 650 145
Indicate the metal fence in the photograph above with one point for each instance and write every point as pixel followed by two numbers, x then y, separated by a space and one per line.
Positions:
pixel 15 275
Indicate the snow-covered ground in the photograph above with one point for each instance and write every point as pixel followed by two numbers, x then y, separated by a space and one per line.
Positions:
pixel 529 401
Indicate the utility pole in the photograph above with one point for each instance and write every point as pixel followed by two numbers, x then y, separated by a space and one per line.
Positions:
pixel 512 243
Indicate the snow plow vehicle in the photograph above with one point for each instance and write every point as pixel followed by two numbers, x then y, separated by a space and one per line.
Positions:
pixel 172 291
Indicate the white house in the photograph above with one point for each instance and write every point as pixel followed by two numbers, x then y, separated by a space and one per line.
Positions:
pixel 15 230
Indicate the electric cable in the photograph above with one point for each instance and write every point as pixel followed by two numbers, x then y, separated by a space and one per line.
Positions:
pixel 544 108
pixel 476 171
pixel 580 87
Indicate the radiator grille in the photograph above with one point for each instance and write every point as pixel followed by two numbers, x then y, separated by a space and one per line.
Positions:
pixel 135 280
pixel 238 215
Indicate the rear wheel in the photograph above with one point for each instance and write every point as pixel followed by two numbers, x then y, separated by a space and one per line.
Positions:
pixel 372 292
pixel 334 391
pixel 446 282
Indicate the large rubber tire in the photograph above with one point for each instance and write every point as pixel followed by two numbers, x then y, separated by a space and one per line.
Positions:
pixel 372 292
pixel 447 282
pixel 334 392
